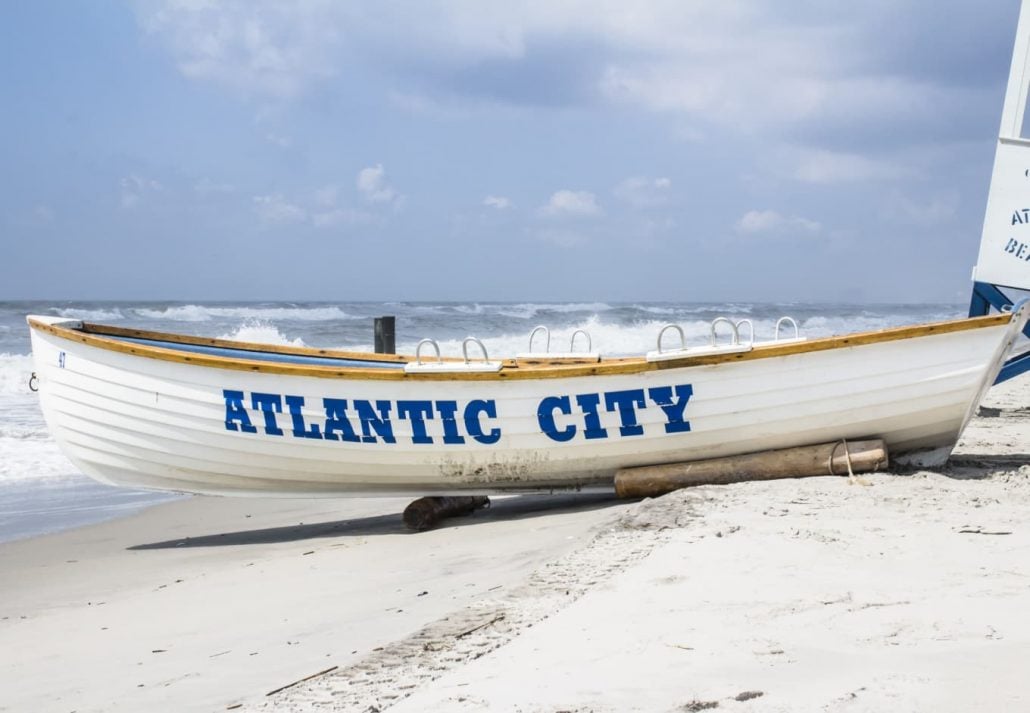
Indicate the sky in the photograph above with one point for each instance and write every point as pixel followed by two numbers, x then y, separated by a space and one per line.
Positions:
pixel 680 150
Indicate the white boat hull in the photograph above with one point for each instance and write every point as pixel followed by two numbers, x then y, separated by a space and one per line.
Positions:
pixel 134 420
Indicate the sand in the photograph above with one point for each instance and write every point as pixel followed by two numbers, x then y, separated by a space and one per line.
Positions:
pixel 909 592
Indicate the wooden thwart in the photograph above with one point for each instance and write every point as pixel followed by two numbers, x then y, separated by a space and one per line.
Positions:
pixel 823 459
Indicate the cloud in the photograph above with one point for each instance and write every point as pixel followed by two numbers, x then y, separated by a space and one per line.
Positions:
pixel 764 69
pixel 135 188
pixel 327 213
pixel 566 203
pixel 319 209
pixel 748 65
pixel 275 208
pixel 257 47
pixel 937 210
pixel 771 222
pixel 498 202
pixel 327 195
pixel 372 184
pixel 821 166
pixel 641 192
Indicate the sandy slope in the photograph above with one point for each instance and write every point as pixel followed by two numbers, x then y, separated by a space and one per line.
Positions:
pixel 910 593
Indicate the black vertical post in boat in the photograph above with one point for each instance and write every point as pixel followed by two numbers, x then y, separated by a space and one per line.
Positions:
pixel 385 335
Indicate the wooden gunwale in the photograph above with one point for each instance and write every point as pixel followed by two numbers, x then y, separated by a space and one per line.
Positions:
pixel 100 336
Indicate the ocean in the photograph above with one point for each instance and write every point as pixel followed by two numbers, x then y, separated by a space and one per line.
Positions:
pixel 41 491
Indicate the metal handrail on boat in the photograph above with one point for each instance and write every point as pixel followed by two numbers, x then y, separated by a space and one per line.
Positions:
pixel 711 348
pixel 589 354
pixel 780 321
pixel 750 327
pixel 683 337
pixel 477 342
pixel 547 334
pixel 572 344
pixel 436 347
pixel 441 366
pixel 719 320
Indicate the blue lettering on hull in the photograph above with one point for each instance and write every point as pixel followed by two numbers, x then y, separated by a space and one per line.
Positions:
pixel 562 418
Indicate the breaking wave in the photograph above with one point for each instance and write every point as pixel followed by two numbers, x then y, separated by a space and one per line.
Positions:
pixel 15 370
pixel 262 333
pixel 522 310
pixel 826 326
pixel 90 315
pixel 201 313
pixel 608 338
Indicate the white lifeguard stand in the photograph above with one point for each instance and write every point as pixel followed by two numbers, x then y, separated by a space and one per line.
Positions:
pixel 1004 259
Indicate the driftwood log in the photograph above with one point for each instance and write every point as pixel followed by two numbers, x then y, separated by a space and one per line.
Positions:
pixel 823 459
pixel 425 513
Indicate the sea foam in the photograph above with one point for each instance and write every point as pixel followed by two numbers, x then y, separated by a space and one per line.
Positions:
pixel 261 333
pixel 202 313
pixel 15 370
pixel 90 315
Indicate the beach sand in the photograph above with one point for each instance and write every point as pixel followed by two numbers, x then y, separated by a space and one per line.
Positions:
pixel 903 592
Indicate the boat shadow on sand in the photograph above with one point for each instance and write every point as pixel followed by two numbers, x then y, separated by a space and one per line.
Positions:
pixel 500 510
pixel 981 467
pixel 959 467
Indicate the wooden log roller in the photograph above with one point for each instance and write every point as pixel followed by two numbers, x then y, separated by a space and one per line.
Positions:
pixel 425 513
pixel 838 458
